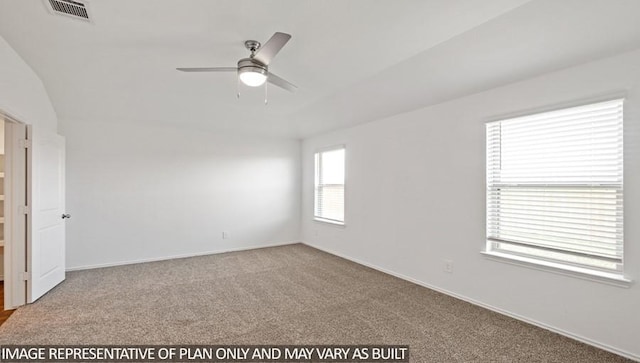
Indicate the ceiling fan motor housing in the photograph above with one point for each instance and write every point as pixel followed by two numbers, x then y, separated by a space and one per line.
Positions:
pixel 253 64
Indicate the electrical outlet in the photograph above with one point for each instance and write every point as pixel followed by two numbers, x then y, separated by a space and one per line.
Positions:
pixel 448 266
pixel 225 235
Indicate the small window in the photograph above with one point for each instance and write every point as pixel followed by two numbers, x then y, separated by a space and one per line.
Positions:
pixel 329 185
pixel 554 187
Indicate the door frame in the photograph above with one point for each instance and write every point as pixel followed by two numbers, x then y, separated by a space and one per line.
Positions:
pixel 17 155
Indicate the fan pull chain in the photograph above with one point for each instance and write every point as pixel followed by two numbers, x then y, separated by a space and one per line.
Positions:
pixel 238 87
pixel 266 101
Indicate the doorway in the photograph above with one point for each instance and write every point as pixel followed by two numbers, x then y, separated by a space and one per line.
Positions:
pixel 4 314
pixel 13 219
pixel 34 212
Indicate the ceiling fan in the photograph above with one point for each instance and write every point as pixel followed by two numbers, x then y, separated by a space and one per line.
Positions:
pixel 254 71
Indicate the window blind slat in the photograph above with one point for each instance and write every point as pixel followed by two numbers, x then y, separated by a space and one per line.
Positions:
pixel 590 220
pixel 559 243
pixel 555 223
pixel 590 234
pixel 558 126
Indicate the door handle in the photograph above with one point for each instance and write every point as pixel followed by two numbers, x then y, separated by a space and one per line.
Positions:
pixel 66 216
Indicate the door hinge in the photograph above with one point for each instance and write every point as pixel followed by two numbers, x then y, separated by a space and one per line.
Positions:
pixel 25 143
pixel 24 209
pixel 26 276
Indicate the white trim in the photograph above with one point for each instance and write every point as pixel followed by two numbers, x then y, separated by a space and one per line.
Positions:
pixel 560 268
pixel 173 257
pixel 328 221
pixel 621 95
pixel 332 147
pixel 15 223
pixel 486 306
pixel 543 251
pixel 9 117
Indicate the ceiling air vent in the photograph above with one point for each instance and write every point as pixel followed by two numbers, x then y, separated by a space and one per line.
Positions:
pixel 74 9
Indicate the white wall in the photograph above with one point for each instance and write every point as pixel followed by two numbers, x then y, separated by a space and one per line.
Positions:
pixel 22 94
pixel 140 193
pixel 415 196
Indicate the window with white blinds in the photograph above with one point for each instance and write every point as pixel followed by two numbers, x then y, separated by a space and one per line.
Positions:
pixel 554 186
pixel 329 185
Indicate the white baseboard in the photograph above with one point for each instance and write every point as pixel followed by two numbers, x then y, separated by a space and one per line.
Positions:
pixel 486 306
pixel 172 257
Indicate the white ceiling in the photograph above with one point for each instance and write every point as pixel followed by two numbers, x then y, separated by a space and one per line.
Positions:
pixel 353 61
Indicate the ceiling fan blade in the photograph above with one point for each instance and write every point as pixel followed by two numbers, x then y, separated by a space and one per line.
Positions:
pixel 281 82
pixel 269 50
pixel 209 69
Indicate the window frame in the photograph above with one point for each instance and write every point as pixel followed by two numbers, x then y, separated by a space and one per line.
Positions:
pixel 567 268
pixel 319 219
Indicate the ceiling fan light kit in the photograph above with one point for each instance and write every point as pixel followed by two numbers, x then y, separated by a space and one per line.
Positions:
pixel 254 71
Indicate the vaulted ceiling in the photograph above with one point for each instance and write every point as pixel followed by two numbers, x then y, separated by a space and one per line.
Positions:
pixel 353 61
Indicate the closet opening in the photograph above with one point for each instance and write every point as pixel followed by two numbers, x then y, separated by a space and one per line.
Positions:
pixel 14 210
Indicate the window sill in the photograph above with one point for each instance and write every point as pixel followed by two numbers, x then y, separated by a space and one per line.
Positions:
pixel 573 271
pixel 330 222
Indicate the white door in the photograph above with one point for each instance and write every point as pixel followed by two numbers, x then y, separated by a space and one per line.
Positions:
pixel 46 252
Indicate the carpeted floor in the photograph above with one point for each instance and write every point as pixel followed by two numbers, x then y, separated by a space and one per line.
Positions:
pixel 281 295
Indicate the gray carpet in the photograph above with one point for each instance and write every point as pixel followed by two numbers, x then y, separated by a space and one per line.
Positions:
pixel 281 295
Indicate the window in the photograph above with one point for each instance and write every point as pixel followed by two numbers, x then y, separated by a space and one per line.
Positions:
pixel 329 186
pixel 554 188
